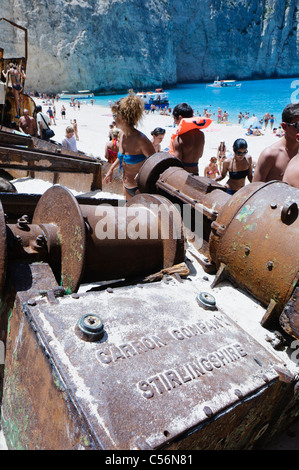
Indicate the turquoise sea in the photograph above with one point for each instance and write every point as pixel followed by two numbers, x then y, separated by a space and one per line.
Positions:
pixel 254 96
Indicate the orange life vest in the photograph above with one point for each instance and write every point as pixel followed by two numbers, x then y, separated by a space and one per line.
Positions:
pixel 188 124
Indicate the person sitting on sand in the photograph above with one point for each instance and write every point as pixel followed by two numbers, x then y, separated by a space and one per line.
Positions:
pixel 238 167
pixel 274 159
pixel 211 170
pixel 69 141
pixel 112 147
pixel 187 147
pixel 158 135
pixel 134 146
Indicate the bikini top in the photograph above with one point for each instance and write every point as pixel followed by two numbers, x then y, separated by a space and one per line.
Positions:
pixel 130 159
pixel 238 175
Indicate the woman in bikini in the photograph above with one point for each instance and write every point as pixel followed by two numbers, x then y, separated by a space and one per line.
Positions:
pixel 211 170
pixel 134 146
pixel 239 166
pixel 112 147
pixel 14 77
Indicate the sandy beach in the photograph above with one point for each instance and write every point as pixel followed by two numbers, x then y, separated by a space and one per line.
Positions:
pixel 93 128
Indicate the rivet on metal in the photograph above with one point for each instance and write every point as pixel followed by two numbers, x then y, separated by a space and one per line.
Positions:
pixel 206 300
pixel 270 265
pixel 208 411
pixel 91 327
pixel 238 393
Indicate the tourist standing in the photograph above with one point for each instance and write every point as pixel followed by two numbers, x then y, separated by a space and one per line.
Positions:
pixel 27 124
pixel 158 135
pixel 134 146
pixel 274 159
pixel 42 122
pixel 187 145
pixel 238 167
pixel 69 140
pixel 63 112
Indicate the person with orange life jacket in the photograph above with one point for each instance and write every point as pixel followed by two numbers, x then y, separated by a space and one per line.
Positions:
pixel 187 143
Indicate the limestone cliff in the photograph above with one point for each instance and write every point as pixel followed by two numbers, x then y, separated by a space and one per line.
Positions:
pixel 106 45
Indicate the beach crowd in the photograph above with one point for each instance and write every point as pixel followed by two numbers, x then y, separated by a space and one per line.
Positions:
pixel 127 147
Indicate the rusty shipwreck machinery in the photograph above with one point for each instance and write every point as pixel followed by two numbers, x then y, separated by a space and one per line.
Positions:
pixel 249 239
pixel 99 357
pixel 22 155
pixel 7 102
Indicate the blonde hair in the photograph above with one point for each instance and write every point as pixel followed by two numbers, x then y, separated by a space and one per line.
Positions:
pixel 69 129
pixel 130 108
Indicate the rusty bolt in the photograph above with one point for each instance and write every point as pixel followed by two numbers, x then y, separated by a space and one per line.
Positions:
pixel 91 327
pixel 273 205
pixel 23 222
pixel 208 411
pixel 270 265
pixel 206 300
pixel 40 240
pixel 247 250
pixel 238 393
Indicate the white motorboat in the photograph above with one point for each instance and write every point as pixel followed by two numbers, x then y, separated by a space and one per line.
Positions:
pixel 79 95
pixel 224 84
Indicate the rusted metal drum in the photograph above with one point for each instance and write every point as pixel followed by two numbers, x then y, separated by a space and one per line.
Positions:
pixel 90 243
pixel 255 241
pixel 152 168
pixel 144 236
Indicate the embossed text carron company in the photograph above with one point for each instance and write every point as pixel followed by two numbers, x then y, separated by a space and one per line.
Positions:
pixel 113 353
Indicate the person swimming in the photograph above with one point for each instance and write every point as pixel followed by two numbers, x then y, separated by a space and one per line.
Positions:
pixel 134 146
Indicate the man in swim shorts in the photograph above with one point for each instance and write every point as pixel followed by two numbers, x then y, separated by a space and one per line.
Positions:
pixel 187 147
pixel 274 159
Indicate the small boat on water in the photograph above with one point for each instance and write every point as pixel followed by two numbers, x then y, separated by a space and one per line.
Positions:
pixel 158 98
pixel 79 95
pixel 224 84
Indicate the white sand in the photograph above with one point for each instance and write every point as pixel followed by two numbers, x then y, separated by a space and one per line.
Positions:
pixel 93 128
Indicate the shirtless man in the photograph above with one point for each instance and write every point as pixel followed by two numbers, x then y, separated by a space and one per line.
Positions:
pixel 274 159
pixel 187 147
pixel 28 124
pixel 291 174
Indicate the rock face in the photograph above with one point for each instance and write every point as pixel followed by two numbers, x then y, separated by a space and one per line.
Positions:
pixel 106 45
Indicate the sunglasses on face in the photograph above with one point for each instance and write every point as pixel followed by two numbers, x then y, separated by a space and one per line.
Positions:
pixel 241 153
pixel 294 124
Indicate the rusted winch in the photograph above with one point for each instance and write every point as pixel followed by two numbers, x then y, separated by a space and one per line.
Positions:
pixel 252 235
pixel 94 243
pixel 254 242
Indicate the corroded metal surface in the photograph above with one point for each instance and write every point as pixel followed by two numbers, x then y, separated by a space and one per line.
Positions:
pixel 152 169
pixel 255 238
pixel 88 243
pixel 197 364
pixel 59 207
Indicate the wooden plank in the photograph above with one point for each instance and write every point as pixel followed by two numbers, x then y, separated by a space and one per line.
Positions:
pixel 9 157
